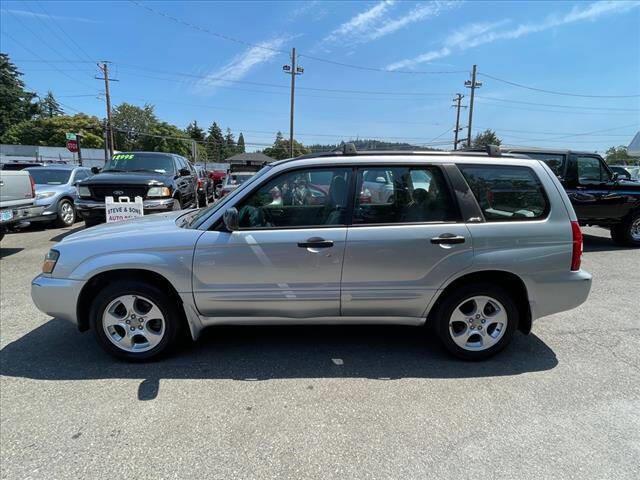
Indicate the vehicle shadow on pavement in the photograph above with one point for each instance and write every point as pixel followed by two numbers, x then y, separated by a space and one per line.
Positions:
pixel 57 351
pixel 596 243
pixel 65 233
pixel 5 252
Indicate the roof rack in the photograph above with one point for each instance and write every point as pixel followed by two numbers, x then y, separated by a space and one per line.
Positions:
pixel 349 149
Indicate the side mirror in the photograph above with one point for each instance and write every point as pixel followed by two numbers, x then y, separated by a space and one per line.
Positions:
pixel 230 219
pixel 184 172
pixel 95 170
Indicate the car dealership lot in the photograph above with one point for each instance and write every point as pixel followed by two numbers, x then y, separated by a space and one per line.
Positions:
pixel 324 402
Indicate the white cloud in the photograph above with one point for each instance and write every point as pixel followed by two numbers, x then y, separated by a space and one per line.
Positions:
pixel 361 22
pixel 242 64
pixel 374 22
pixel 24 13
pixel 482 33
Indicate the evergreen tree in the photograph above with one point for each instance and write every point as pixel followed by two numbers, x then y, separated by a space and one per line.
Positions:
pixel 229 144
pixel 215 143
pixel 281 148
pixel 49 106
pixel 17 104
pixel 241 148
pixel 488 137
pixel 194 131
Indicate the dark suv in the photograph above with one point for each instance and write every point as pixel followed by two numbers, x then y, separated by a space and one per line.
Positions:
pixel 599 196
pixel 165 181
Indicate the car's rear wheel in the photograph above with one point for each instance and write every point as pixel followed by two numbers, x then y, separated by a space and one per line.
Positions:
pixel 135 321
pixel 628 232
pixel 476 321
pixel 66 214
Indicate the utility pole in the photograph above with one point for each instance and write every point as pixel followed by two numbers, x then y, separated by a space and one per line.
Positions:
pixel 194 151
pixel 292 70
pixel 458 106
pixel 472 84
pixel 79 141
pixel 104 68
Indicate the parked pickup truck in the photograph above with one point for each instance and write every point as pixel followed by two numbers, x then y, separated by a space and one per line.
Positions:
pixel 17 196
pixel 599 196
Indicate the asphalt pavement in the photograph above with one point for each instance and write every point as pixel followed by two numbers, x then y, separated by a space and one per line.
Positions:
pixel 324 402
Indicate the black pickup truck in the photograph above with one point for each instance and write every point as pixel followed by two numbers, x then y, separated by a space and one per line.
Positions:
pixel 598 195
pixel 165 182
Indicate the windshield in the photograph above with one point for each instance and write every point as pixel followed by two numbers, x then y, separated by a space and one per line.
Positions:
pixel 197 217
pixel 140 162
pixel 49 176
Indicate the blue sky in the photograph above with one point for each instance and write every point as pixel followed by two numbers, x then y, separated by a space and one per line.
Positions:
pixel 223 61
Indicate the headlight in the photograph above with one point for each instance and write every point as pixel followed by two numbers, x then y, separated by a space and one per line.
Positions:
pixel 84 192
pixel 50 260
pixel 159 192
pixel 41 195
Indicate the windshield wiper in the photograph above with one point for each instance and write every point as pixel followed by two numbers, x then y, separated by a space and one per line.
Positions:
pixel 144 170
pixel 113 170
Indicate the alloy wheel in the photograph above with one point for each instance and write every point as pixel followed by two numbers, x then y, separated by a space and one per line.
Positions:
pixel 478 323
pixel 133 323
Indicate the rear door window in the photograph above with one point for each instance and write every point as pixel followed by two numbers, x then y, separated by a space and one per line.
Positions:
pixel 507 193
pixel 556 161
pixel 397 194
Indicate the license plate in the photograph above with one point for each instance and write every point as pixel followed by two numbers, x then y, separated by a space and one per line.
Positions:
pixel 6 215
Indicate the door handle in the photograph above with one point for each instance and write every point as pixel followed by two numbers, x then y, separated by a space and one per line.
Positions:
pixel 448 239
pixel 316 242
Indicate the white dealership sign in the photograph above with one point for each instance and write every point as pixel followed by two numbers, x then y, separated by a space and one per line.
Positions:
pixel 123 208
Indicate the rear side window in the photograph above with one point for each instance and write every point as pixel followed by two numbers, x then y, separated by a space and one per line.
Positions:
pixel 507 193
pixel 556 161
pixel 393 194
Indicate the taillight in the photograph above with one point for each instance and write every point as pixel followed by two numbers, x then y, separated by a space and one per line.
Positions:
pixel 33 187
pixel 199 183
pixel 576 255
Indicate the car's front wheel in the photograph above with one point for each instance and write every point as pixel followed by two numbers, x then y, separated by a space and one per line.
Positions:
pixel 66 214
pixel 135 321
pixel 476 321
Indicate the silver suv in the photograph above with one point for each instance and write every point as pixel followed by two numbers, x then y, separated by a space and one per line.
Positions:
pixel 475 246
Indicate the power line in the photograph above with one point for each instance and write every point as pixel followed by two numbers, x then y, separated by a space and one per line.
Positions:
pixel 79 48
pixel 284 52
pixel 552 92
pixel 528 109
pixel 36 55
pixel 579 107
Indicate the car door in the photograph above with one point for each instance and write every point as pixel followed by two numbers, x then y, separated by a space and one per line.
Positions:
pixel 285 260
pixel 400 250
pixel 590 189
pixel 184 182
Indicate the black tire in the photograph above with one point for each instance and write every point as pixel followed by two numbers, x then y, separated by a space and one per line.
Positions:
pixel 202 200
pixel 91 222
pixel 169 307
pixel 622 234
pixel 446 307
pixel 1 235
pixel 62 206
pixel 176 204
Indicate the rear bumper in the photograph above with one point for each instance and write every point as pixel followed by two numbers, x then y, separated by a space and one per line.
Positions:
pixel 19 215
pixel 57 297
pixel 558 293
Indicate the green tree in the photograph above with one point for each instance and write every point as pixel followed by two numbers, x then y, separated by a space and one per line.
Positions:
pixel 129 122
pixel 49 106
pixel 16 103
pixel 618 155
pixel 194 131
pixel 164 137
pixel 488 137
pixel 215 143
pixel 229 144
pixel 240 148
pixel 51 131
pixel 281 148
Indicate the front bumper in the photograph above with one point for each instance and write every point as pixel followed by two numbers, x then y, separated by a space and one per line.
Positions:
pixel 57 297
pixel 93 208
